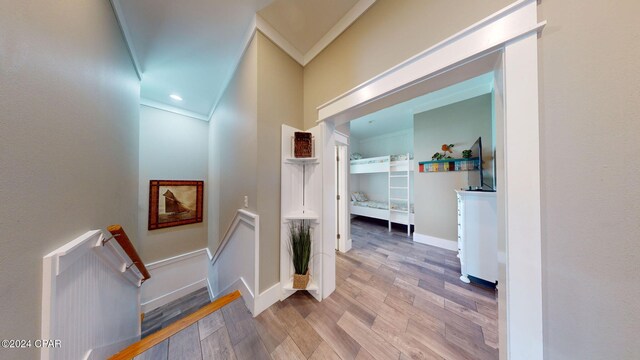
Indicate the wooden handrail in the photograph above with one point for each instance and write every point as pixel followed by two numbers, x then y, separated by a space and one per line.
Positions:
pixel 123 240
pixel 161 335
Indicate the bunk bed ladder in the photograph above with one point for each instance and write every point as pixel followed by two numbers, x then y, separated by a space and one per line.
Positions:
pixel 405 174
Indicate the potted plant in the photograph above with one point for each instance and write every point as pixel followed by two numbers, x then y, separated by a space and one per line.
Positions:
pixel 300 250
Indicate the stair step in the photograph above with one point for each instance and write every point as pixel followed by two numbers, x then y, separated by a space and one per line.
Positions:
pixel 156 338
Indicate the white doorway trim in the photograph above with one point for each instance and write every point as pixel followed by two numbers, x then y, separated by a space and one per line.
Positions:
pixel 511 33
pixel 342 179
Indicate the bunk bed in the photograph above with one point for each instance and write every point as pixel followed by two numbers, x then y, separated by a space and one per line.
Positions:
pixel 398 208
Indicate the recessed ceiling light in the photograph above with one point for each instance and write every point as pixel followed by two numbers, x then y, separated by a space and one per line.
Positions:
pixel 176 97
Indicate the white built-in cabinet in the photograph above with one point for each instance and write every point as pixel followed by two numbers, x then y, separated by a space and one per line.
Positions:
pixel 477 235
pixel 301 198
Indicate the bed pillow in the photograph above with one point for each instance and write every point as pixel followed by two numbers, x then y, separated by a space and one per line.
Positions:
pixel 360 196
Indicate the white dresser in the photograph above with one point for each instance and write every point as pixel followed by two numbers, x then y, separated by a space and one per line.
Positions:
pixel 477 235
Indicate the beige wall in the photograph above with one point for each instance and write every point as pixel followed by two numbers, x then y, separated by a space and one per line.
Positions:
pixel 279 102
pixel 68 143
pixel 459 124
pixel 266 91
pixel 234 139
pixel 172 147
pixel 590 111
pixel 389 32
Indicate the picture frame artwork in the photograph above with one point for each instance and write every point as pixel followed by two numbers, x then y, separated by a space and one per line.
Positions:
pixel 175 203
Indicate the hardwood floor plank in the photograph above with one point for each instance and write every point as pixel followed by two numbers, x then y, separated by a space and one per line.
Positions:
pixel 367 338
pixel 392 315
pixel 471 329
pixel 364 355
pixel 341 342
pixel 448 294
pixel 408 346
pixel 363 286
pixel 289 316
pixel 436 342
pixel 185 345
pixel 303 302
pixel 238 320
pixel 158 352
pixel 412 312
pixel 217 346
pixel 324 352
pixel 475 349
pixel 490 338
pixel 476 317
pixel 288 350
pixel 420 292
pixel 210 324
pixel 251 348
pixel 476 293
pixel 271 329
pixel 356 309
pixel 489 311
pixel 305 337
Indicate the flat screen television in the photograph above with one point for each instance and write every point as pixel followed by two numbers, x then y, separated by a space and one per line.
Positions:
pixel 476 180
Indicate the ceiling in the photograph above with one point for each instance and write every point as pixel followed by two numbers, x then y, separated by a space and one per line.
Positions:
pixel 400 117
pixel 304 23
pixel 191 48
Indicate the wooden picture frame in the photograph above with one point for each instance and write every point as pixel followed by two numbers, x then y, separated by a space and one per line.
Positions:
pixel 175 203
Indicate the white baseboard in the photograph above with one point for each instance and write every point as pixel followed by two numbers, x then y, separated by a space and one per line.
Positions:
pixel 173 278
pixel 173 295
pixel 267 298
pixel 247 295
pixel 434 241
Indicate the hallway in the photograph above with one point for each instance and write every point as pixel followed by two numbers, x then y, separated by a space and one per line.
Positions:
pixel 394 300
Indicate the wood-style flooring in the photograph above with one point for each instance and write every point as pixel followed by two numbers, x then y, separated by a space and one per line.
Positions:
pixel 167 314
pixel 395 299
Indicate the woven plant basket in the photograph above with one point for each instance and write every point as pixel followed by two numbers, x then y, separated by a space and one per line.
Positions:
pixel 303 144
pixel 301 281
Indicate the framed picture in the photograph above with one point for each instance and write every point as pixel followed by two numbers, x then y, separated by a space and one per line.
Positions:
pixel 174 203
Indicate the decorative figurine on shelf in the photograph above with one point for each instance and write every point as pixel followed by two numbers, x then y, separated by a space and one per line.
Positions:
pixel 445 149
pixel 300 251
pixel 466 154
pixel 303 144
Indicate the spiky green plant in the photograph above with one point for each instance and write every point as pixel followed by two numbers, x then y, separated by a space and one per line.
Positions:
pixel 300 245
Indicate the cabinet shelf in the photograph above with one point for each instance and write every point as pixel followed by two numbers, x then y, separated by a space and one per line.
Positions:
pixel 302 215
pixel 446 165
pixel 294 160
pixel 311 286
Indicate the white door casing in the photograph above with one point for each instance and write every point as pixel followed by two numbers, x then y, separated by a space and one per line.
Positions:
pixel 510 35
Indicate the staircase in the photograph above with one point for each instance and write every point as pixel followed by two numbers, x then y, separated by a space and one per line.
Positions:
pixel 167 314
pixel 187 337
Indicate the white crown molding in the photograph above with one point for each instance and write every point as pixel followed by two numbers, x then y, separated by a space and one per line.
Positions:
pixel 117 9
pixel 494 28
pixel 349 18
pixel 258 23
pixel 278 39
pixel 248 36
pixel 172 109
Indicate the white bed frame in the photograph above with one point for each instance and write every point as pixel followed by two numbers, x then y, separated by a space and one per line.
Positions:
pixel 399 218
pixel 393 169
pixel 382 164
